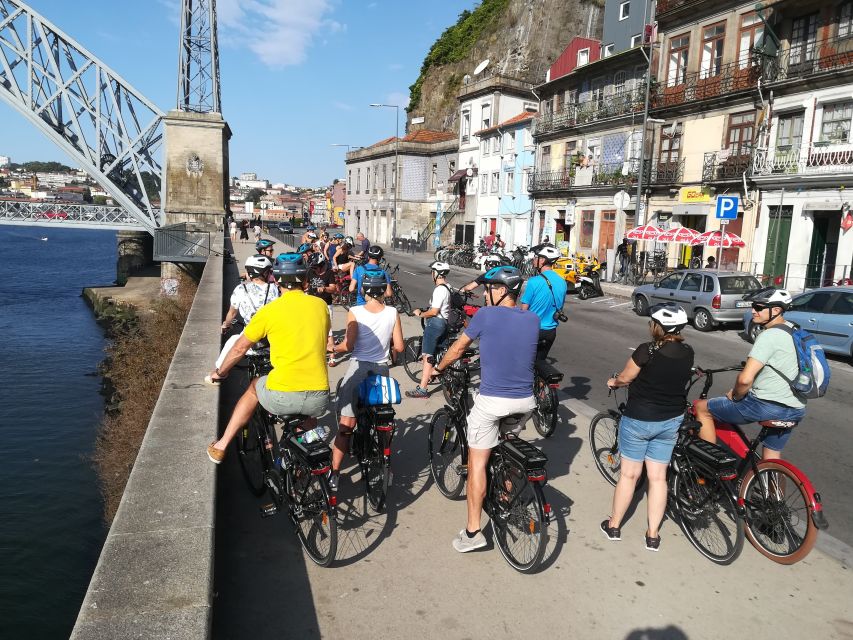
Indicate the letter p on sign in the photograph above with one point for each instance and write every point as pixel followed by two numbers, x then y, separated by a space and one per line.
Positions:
pixel 726 208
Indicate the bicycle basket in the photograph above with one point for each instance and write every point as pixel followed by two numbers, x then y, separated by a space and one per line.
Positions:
pixel 376 390
pixel 710 457
pixel 523 453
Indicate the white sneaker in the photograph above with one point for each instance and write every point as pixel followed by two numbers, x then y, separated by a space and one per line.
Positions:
pixel 463 544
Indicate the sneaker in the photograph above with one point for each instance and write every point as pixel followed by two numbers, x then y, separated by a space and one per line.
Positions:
pixel 612 533
pixel 652 544
pixel 334 477
pixel 418 393
pixel 463 544
pixel 216 455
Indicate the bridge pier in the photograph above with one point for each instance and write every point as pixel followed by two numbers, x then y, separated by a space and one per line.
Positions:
pixel 135 251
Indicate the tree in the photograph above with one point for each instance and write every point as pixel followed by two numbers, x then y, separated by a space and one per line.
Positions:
pixel 101 200
pixel 254 195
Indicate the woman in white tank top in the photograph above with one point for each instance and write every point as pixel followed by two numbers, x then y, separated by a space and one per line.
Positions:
pixel 371 329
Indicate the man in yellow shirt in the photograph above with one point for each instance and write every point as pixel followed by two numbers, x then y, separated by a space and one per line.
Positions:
pixel 296 326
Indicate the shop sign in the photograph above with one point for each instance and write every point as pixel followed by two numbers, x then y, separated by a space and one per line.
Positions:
pixel 693 195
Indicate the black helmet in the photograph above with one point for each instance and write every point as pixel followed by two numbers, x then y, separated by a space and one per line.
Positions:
pixel 289 271
pixel 505 276
pixel 375 252
pixel 316 260
pixel 374 283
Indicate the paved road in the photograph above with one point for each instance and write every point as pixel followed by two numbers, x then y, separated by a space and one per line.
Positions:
pixel 397 576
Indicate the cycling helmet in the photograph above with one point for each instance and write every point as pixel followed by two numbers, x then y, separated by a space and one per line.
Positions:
pixel 491 261
pixel 289 272
pixel 260 245
pixel 670 316
pixel 375 252
pixel 312 235
pixel 311 227
pixel 338 236
pixel 316 260
pixel 302 248
pixel 504 276
pixel 771 297
pixel 440 268
pixel 288 257
pixel 258 266
pixel 547 252
pixel 374 283
pixel 348 240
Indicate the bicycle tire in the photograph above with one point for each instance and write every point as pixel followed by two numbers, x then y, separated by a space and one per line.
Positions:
pixel 413 362
pixel 545 414
pixel 376 472
pixel 521 531
pixel 314 517
pixel 603 440
pixel 403 305
pixel 445 445
pixel 779 525
pixel 250 450
pixel 707 516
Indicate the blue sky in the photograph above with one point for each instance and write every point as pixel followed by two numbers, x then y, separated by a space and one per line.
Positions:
pixel 297 75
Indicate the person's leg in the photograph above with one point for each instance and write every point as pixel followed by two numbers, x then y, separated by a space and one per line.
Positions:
pixel 629 472
pixel 706 431
pixel 242 413
pixel 341 444
pixel 656 472
pixel 546 340
pixel 427 372
pixel 476 489
pixel 346 411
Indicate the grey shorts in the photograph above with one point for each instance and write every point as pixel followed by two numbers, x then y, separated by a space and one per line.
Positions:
pixel 291 403
pixel 484 419
pixel 347 392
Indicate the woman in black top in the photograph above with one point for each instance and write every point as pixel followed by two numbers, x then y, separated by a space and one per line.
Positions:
pixel 656 375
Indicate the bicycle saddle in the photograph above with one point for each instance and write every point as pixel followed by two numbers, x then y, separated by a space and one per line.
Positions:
pixel 292 421
pixel 779 424
pixel 548 372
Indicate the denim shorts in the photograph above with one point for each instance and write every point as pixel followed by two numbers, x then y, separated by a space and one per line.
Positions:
pixel 641 440
pixel 751 409
pixel 434 330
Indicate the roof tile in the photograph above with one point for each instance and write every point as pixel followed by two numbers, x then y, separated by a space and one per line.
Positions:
pixel 521 117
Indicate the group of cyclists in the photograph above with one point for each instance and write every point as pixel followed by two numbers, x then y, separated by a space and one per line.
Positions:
pixel 292 318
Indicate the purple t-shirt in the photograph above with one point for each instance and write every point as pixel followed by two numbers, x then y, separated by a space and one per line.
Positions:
pixel 365 245
pixel 508 338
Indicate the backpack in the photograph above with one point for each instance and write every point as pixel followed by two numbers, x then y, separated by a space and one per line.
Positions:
pixel 812 380
pixel 457 317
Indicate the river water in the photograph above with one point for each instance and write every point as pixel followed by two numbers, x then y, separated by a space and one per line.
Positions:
pixel 51 526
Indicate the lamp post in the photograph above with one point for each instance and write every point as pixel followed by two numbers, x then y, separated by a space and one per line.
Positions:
pixel 396 159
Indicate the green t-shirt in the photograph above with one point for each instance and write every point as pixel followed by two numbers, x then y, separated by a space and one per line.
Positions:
pixel 776 348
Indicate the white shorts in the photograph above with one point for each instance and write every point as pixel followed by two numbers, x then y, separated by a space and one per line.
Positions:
pixel 484 419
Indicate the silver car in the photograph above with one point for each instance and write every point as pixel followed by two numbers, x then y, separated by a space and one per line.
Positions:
pixel 709 297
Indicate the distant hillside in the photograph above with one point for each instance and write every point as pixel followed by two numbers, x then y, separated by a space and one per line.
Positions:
pixel 520 38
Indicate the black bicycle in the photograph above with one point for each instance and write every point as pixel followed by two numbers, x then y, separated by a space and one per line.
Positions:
pixel 399 299
pixel 515 476
pixel 546 381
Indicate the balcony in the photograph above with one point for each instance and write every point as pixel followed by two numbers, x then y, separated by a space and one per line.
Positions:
pixel 818 159
pixel 807 59
pixel 723 166
pixel 578 178
pixel 697 86
pixel 590 112
pixel 663 173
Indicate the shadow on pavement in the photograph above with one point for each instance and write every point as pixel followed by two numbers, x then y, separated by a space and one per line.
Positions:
pixel 666 633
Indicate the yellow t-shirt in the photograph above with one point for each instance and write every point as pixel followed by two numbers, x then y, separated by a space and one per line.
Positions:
pixel 296 326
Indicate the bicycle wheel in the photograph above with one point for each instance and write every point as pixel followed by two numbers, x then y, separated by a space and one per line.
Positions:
pixel 314 517
pixel 445 455
pixel 707 516
pixel 518 519
pixel 412 361
pixel 376 472
pixel 545 414
pixel 403 305
pixel 778 515
pixel 250 453
pixel 603 439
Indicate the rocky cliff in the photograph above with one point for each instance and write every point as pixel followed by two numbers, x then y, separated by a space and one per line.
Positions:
pixel 520 38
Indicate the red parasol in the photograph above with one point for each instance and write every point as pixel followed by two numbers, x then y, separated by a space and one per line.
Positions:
pixel 645 232
pixel 681 235
pixel 719 238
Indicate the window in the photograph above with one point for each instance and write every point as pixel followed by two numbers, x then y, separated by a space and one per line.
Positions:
pixel 349 182
pixel 484 183
pixel 620 79
pixel 843 305
pixel 597 93
pixel 751 34
pixel 636 40
pixel 845 20
pixel 484 146
pixel 358 181
pixel 528 137
pixel 509 183
pixel 367 180
pixel 593 152
pixel 670 146
pixel 835 125
pixel 803 39
pixel 670 282
pixel 708 285
pixel 433 181
pixel 451 167
pixel 496 144
pixel 815 302
pixel 546 158
pixel 677 70
pixel 384 176
pixel 509 141
pixel 587 227
pixel 692 282
pixel 570 153
pixel 789 132
pixel 393 176
pixel 525 181
pixel 607 51
pixel 583 57
pixel 487 116
pixel 624 10
pixel 494 185
pixel 712 50
pixel 466 126
pixel 739 138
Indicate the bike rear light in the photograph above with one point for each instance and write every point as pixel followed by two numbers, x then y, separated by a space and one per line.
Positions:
pixel 538 478
pixel 741 502
pixel 320 472
pixel 387 452
pixel 731 475
pixel 554 386
pixel 385 428
pixel 547 508
pixel 716 303
pixel 333 500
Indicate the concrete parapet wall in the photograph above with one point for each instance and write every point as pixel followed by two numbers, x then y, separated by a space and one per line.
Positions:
pixel 154 578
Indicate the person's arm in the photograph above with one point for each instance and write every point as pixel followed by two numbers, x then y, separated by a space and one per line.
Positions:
pixel 229 318
pixel 331 287
pixel 349 336
pixel 745 379
pixel 353 281
pixel 626 376
pixel 470 287
pixel 397 336
pixel 524 306
pixel 456 351
pixel 234 356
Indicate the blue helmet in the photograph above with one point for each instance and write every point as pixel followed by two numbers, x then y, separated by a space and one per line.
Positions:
pixel 302 248
pixel 288 257
pixel 289 271
pixel 260 245
pixel 504 276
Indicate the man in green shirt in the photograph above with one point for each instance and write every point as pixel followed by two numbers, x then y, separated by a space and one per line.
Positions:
pixel 760 392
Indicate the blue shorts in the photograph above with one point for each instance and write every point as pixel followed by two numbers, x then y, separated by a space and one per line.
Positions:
pixel 434 331
pixel 751 409
pixel 640 440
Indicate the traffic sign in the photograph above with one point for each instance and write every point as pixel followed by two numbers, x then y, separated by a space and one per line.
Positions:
pixel 726 208
pixel 264 205
pixel 621 200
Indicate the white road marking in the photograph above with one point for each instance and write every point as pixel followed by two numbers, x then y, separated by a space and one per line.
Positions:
pixel 621 304
pixel 413 274
pixel 602 300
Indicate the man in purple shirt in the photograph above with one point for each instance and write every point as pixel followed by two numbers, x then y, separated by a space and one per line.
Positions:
pixel 508 338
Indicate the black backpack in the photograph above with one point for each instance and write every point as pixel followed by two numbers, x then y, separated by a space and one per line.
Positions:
pixel 457 317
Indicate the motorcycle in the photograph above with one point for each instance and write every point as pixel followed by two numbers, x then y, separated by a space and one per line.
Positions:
pixel 590 282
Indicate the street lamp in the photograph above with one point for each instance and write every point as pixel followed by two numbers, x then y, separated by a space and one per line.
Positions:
pixel 348 146
pixel 396 159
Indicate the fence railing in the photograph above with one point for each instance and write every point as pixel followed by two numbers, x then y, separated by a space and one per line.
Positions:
pixel 723 166
pixel 696 86
pixel 181 243
pixel 806 59
pixel 591 111
pixel 817 158
pixel 620 174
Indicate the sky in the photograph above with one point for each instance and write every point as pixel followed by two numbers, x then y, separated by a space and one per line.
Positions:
pixel 297 75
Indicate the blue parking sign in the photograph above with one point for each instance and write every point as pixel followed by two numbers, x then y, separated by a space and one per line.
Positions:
pixel 726 208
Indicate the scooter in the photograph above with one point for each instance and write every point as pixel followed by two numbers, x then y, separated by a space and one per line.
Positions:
pixel 590 282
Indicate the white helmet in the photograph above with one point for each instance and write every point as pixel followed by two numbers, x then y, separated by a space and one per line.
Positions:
pixel 670 316
pixel 259 265
pixel 547 252
pixel 440 268
pixel 312 235
pixel 772 298
pixel 493 260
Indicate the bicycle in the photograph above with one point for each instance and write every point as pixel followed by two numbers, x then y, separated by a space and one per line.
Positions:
pixel 546 381
pixel 295 474
pixel 399 299
pixel 515 477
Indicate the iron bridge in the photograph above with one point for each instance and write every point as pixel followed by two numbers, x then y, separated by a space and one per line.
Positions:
pixel 68 215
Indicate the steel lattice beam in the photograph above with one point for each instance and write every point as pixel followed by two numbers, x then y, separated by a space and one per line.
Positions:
pixel 198 71
pixel 64 214
pixel 85 108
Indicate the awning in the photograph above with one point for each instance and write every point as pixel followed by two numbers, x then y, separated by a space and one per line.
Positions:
pixel 691 209
pixel 462 173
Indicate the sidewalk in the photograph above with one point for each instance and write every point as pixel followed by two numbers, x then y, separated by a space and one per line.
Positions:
pixel 398 570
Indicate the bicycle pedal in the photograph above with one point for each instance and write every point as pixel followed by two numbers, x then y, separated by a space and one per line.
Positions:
pixel 268 510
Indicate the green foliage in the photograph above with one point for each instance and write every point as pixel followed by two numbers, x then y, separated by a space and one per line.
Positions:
pixel 41 167
pixel 254 195
pixel 456 42
pixel 101 200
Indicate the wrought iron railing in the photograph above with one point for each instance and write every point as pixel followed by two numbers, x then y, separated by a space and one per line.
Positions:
pixel 696 86
pixel 662 173
pixel 591 111
pixel 181 243
pixel 723 166
pixel 816 159
pixel 807 59
pixel 621 174
pixel 447 216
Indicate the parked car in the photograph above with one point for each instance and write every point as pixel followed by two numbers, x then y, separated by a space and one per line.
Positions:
pixel 709 297
pixel 52 215
pixel 826 312
pixel 285 227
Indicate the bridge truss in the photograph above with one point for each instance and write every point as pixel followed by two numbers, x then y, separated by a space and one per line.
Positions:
pixel 62 214
pixel 85 108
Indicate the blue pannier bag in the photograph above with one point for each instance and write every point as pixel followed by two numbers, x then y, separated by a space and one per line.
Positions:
pixel 812 379
pixel 375 390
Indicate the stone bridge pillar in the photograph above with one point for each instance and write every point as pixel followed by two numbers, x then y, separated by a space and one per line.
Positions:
pixel 134 249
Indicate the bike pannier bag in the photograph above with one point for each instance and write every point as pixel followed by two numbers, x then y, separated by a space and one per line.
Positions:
pixel 379 390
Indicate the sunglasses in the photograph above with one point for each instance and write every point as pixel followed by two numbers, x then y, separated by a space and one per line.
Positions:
pixel 758 308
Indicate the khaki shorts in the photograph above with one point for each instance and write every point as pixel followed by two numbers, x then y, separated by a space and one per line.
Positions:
pixel 291 403
pixel 484 419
